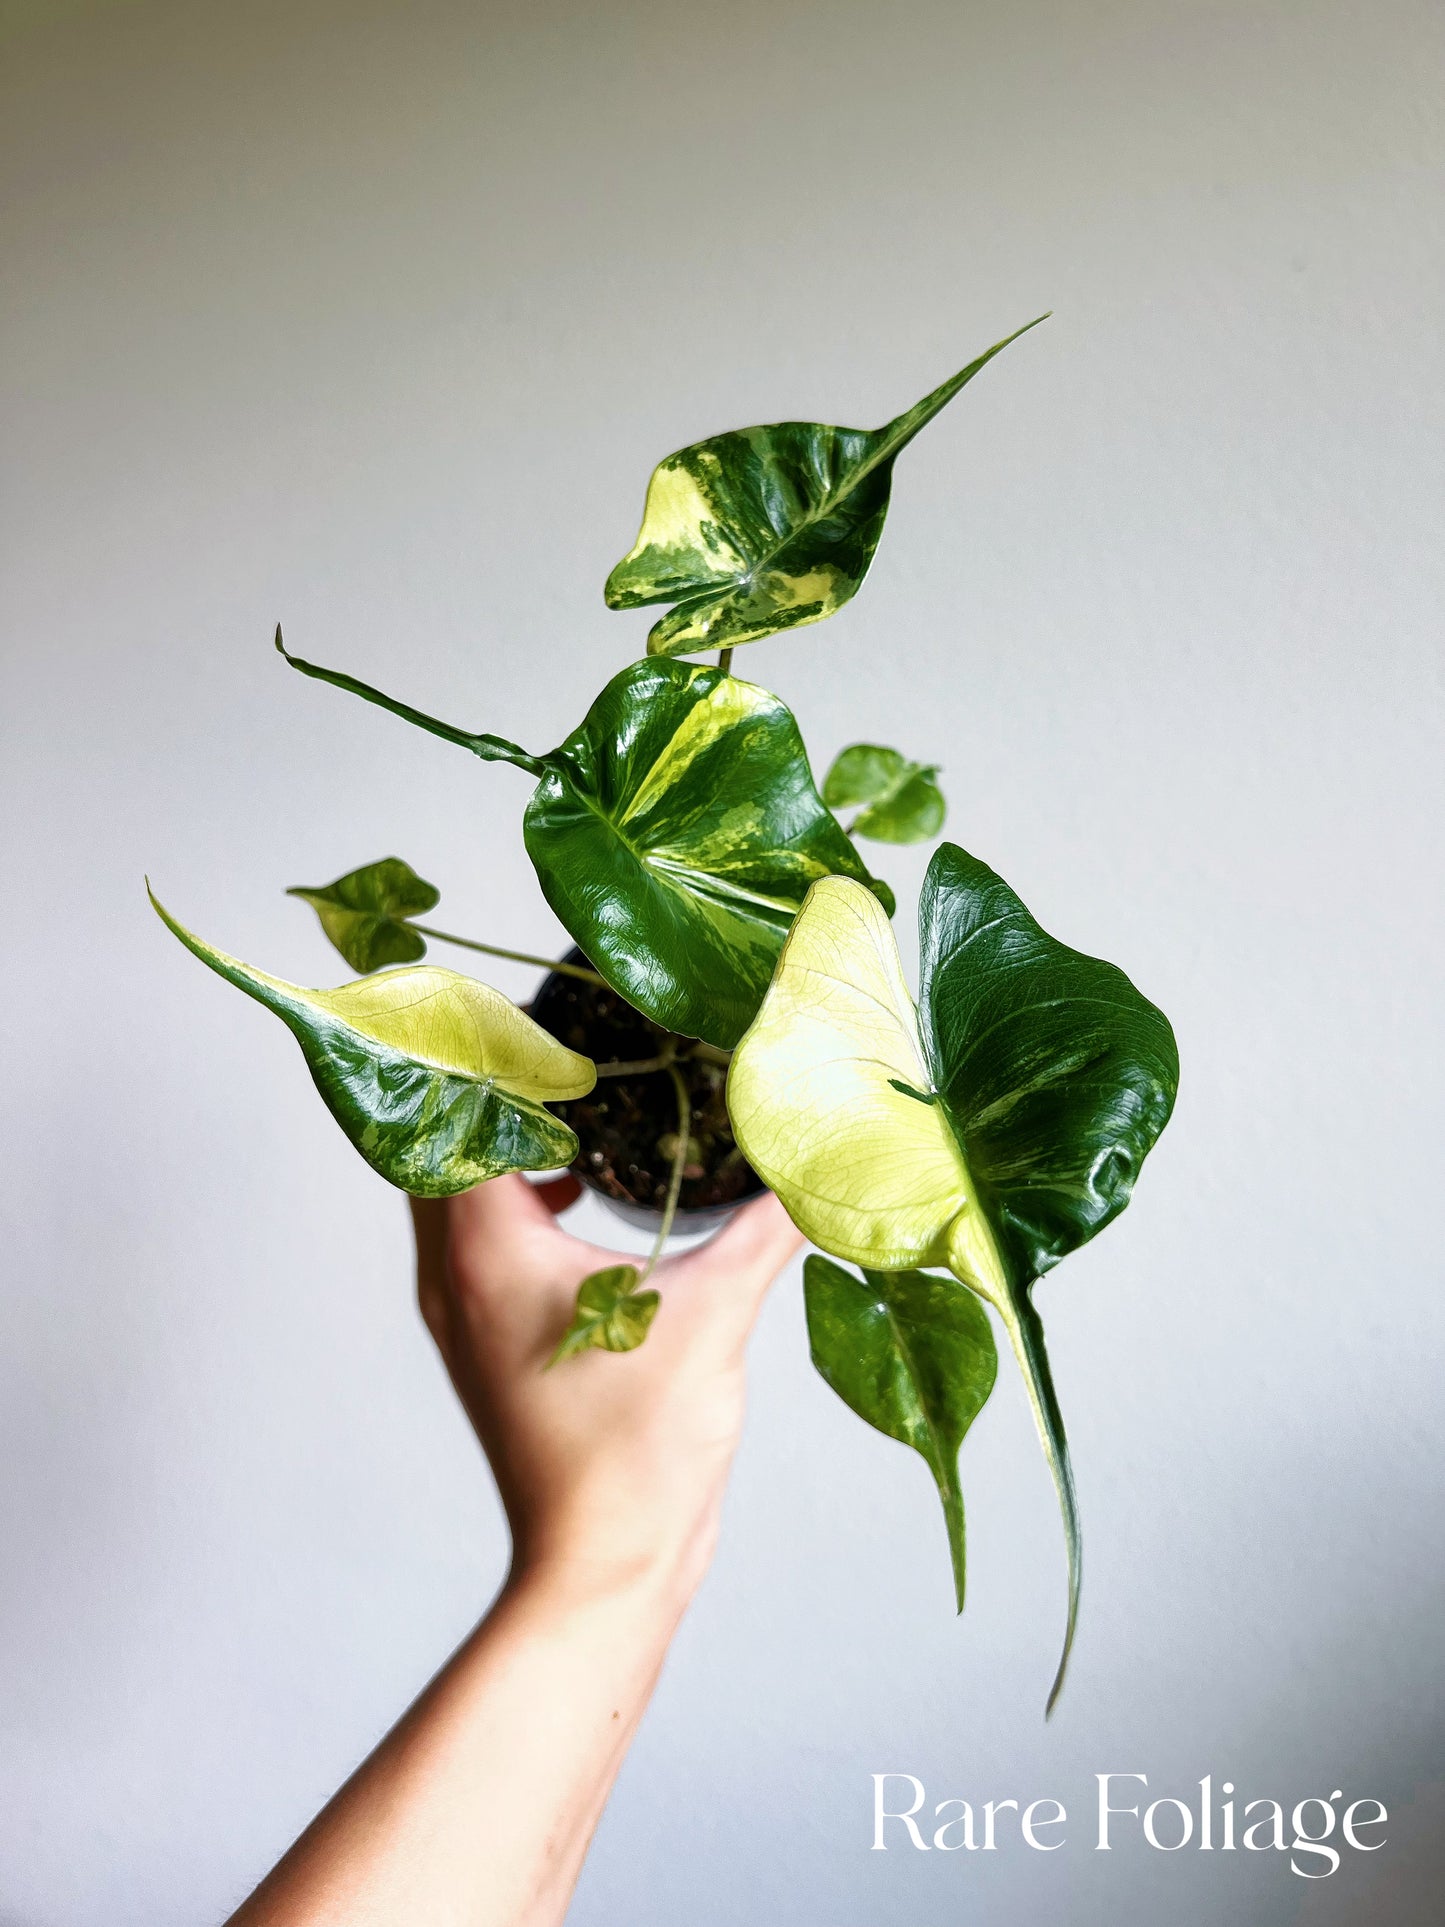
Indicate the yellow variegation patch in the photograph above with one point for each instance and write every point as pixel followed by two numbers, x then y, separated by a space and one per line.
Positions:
pixel 439 1081
pixel 830 1099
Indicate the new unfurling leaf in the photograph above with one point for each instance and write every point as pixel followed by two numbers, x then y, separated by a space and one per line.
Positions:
pixel 897 801
pixel 764 529
pixel 1051 1075
pixel 439 1081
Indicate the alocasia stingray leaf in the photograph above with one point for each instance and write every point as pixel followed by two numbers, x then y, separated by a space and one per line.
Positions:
pixel 901 801
pixel 436 1079
pixel 675 833
pixel 611 1313
pixel 912 1355
pixel 764 529
pixel 994 1136
pixel 364 913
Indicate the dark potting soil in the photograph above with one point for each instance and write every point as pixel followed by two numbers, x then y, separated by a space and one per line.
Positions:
pixel 627 1126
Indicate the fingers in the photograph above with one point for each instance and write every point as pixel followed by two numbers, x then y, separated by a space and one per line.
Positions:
pixel 747 1255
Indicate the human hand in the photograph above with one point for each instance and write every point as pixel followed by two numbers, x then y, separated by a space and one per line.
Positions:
pixel 611 1466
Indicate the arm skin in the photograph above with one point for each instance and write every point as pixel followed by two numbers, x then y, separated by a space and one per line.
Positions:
pixel 477 1808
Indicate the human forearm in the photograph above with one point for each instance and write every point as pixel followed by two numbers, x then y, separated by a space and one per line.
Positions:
pixel 476 1810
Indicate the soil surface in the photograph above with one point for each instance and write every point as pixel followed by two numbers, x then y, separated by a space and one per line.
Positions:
pixel 627 1126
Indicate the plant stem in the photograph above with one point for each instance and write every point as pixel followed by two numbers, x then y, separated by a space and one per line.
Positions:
pixel 725 660
pixel 708 1053
pixel 638 1067
pixel 679 1158
pixel 516 956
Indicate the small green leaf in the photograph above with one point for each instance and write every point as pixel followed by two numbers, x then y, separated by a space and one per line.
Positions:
pixel 611 1314
pixel 439 1081
pixel 364 913
pixel 901 801
pixel 764 529
pixel 912 1355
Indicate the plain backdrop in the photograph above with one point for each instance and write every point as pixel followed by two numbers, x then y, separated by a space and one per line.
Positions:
pixel 374 319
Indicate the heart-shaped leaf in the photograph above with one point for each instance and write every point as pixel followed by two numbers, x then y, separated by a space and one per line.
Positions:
pixel 1049 1078
pixel 364 913
pixel 912 1355
pixel 675 833
pixel 768 528
pixel 611 1313
pixel 901 801
pixel 439 1081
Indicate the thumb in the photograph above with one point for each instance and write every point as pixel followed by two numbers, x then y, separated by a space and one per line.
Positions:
pixel 750 1250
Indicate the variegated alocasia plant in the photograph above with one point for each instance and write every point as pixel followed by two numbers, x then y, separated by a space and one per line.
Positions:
pixel 954 1149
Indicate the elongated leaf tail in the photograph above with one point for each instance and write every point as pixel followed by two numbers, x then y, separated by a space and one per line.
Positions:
pixel 951 1493
pixel 1026 1334
pixel 491 749
pixel 902 429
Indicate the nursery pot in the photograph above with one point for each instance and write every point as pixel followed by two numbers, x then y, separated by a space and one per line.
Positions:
pixel 627 1126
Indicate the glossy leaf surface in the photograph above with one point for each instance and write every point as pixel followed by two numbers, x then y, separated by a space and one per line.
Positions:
pixel 611 1314
pixel 912 1355
pixel 898 801
pixel 676 834
pixel 764 529
pixel 439 1081
pixel 364 913
pixel 1049 1078
pixel 828 1093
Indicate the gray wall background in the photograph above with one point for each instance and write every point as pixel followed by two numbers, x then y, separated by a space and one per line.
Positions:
pixel 375 318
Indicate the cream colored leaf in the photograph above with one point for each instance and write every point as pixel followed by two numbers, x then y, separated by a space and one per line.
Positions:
pixel 831 1102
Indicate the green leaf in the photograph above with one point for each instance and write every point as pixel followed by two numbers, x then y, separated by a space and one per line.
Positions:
pixel 764 529
pixel 675 833
pixel 364 913
pixel 611 1314
pixel 913 1356
pixel 1054 1078
pixel 902 802
pixel 439 1081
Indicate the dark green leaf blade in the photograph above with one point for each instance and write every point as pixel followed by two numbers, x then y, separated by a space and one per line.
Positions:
pixel 364 913
pixel 611 1314
pixel 901 800
pixel 676 834
pixel 764 529
pixel 1057 1077
pixel 914 1357
pixel 438 1081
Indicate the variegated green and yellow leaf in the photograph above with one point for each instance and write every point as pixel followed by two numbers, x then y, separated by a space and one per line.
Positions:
pixel 365 912
pixel 675 833
pixel 764 529
pixel 439 1081
pixel 610 1314
pixel 1049 1078
pixel 898 801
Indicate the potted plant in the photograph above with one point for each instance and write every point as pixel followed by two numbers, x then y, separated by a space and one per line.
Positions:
pixel 734 1013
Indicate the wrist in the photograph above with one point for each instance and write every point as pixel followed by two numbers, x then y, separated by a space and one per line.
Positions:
pixel 656 1583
